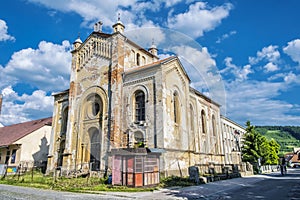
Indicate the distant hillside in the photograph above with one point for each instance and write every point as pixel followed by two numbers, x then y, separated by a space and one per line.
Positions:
pixel 287 137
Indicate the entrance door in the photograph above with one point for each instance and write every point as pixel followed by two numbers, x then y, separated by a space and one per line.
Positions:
pixel 95 149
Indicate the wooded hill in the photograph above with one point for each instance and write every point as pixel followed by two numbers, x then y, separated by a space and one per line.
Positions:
pixel 287 137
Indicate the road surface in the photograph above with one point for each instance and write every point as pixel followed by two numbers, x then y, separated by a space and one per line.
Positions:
pixel 271 186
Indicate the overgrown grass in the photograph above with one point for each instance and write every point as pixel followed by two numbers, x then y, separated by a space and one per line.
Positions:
pixel 89 184
pixel 174 181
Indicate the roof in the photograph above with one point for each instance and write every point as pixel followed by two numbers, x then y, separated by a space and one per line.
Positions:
pixel 295 158
pixel 12 133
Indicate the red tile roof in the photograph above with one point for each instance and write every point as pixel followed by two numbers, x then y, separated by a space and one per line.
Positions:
pixel 12 133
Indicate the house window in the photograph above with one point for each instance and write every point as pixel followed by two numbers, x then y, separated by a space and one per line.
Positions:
pixel 176 108
pixel 203 120
pixel 139 106
pixel 13 156
pixel 7 157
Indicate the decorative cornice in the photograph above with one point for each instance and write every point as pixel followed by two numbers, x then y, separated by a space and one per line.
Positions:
pixel 139 81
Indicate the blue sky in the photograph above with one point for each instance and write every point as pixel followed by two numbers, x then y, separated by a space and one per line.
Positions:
pixel 243 54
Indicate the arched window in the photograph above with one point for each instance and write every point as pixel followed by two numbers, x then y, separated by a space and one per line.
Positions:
pixel 139 106
pixel 95 148
pixel 176 107
pixel 132 56
pixel 192 128
pixel 192 119
pixel 203 121
pixel 214 126
pixel 138 59
pixel 214 134
pixel 143 60
pixel 64 121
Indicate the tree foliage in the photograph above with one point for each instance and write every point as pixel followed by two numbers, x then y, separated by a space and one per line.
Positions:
pixel 287 137
pixel 257 146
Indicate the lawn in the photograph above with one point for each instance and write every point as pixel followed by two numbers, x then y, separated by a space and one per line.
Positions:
pixel 88 184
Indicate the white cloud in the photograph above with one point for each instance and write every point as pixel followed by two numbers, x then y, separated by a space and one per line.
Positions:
pixel 240 73
pixel 291 78
pixel 202 70
pixel 16 108
pixel 106 11
pixel 199 18
pixel 256 101
pixel 146 34
pixel 3 32
pixel 293 49
pixel 225 36
pixel 270 54
pixel 47 67
pixel 271 67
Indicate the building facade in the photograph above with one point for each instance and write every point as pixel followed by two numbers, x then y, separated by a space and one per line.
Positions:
pixel 123 96
pixel 25 144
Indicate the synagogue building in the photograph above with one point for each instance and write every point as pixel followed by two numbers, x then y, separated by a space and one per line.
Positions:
pixel 123 96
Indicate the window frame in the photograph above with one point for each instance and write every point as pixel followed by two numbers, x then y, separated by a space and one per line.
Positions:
pixel 139 106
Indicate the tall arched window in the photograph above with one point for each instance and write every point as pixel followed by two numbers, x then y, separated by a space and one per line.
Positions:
pixel 132 56
pixel 214 126
pixel 138 59
pixel 192 117
pixel 176 107
pixel 64 121
pixel 203 121
pixel 139 106
pixel 214 134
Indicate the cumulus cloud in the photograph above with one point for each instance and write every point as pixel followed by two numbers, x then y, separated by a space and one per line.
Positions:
pixel 45 67
pixel 240 73
pixel 4 36
pixel 271 67
pixel 270 54
pixel 43 70
pixel 106 11
pixel 20 108
pixel 170 3
pixel 199 18
pixel 251 100
pixel 293 49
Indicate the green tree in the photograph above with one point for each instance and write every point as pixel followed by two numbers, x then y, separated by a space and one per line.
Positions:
pixel 251 148
pixel 257 146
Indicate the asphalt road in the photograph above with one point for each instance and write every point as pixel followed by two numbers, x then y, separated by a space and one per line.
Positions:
pixel 272 186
